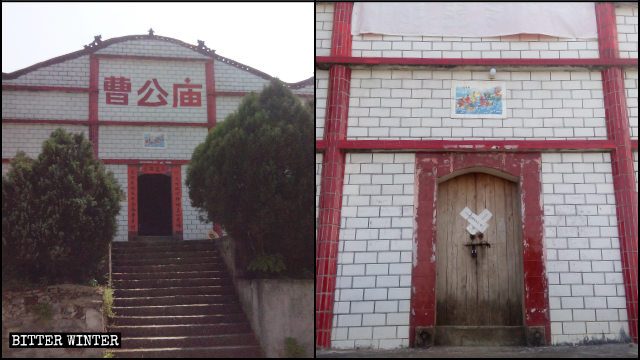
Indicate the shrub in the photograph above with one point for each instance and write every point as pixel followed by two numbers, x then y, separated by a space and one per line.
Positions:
pixel 58 212
pixel 254 174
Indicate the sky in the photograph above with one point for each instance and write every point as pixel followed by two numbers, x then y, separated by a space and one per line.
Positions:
pixel 275 38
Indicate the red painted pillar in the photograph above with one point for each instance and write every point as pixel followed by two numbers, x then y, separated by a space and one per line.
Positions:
pixel 330 201
pixel 176 200
pixel 211 98
pixel 615 105
pixel 93 102
pixel 132 191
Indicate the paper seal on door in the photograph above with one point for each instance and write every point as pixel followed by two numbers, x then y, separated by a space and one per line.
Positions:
pixel 477 223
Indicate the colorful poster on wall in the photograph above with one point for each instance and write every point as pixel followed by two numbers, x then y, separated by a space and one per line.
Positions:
pixel 478 99
pixel 155 140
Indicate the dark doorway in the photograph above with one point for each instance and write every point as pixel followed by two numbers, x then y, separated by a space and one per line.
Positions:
pixel 154 204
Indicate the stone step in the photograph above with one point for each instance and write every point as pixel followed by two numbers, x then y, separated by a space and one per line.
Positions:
pixel 168 268
pixel 175 300
pixel 168 275
pixel 170 260
pixel 165 254
pixel 199 352
pixel 191 309
pixel 163 283
pixel 241 339
pixel 178 320
pixel 181 330
pixel 168 291
pixel 118 245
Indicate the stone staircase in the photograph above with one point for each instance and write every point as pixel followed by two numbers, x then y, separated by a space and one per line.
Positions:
pixel 176 299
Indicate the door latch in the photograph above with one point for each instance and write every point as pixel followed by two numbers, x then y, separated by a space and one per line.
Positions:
pixel 474 252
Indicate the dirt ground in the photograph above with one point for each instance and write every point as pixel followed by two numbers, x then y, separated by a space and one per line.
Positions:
pixel 579 351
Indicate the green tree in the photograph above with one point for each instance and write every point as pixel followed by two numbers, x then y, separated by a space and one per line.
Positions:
pixel 58 212
pixel 254 174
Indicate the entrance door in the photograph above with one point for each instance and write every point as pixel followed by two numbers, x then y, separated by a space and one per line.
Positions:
pixel 485 291
pixel 154 204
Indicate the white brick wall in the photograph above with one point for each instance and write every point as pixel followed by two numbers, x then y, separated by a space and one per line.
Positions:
pixel 324 28
pixel 225 105
pixel 192 227
pixel 70 73
pixel 627 21
pixel 29 137
pixel 120 173
pixel 50 105
pixel 230 78
pixel 586 290
pixel 307 90
pixel 126 142
pixel 513 46
pixel 318 181
pixel 139 72
pixel 416 104
pixel 373 282
pixel 631 88
pixel 150 47
pixel 322 87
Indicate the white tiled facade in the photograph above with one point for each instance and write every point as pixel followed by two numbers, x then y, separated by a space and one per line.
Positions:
pixel 322 86
pixel 409 102
pixel 126 142
pixel 525 46
pixel 373 281
pixel 29 137
pixel 416 104
pixel 586 291
pixel 324 25
pixel 51 105
pixel 167 74
pixel 627 22
pixel 119 142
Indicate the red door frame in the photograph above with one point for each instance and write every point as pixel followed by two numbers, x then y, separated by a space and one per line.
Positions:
pixel 174 171
pixel 432 166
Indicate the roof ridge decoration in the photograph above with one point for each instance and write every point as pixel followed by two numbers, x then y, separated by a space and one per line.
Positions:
pixel 98 44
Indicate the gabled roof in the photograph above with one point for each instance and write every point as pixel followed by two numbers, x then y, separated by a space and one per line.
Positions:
pixel 98 44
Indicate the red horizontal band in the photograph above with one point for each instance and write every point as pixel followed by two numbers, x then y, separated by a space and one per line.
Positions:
pixel 473 145
pixel 143 161
pixel 321 145
pixel 243 93
pixel 46 121
pixel 140 57
pixel 44 88
pixel 152 123
pixel 131 161
pixel 86 122
pixel 330 60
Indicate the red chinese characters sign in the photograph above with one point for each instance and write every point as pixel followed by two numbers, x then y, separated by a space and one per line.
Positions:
pixel 151 93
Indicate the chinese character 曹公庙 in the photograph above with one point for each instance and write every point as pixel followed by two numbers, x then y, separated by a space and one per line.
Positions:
pixel 144 102
pixel 188 97
pixel 117 89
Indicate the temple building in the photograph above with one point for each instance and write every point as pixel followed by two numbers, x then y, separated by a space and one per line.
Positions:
pixel 145 101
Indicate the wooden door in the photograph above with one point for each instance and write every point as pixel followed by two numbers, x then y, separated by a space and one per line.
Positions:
pixel 486 290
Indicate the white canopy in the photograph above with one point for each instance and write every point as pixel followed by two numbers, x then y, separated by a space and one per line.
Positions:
pixel 475 19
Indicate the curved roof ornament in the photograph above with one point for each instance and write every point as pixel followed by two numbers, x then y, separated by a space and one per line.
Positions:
pixel 97 40
pixel 203 47
pixel 151 32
